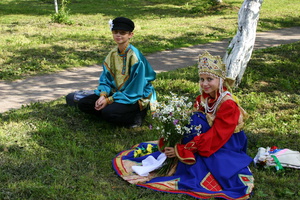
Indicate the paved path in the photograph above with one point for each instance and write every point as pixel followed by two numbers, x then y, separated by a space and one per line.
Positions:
pixel 50 87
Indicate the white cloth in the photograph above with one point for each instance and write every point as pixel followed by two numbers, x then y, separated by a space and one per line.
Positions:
pixel 286 157
pixel 149 164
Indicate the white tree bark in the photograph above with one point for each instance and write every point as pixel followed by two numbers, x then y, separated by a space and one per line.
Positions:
pixel 218 1
pixel 56 6
pixel 241 46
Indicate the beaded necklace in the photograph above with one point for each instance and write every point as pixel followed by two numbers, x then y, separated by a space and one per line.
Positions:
pixel 213 108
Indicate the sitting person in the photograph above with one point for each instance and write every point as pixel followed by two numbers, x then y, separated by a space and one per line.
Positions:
pixel 125 90
pixel 212 161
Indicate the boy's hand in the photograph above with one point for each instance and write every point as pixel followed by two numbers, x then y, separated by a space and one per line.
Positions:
pixel 100 103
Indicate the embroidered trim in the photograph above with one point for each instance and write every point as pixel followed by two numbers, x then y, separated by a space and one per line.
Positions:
pixel 247 180
pixel 109 100
pixel 170 185
pixel 124 57
pixel 103 94
pixel 210 183
pixel 190 146
pixel 186 160
pixel 243 115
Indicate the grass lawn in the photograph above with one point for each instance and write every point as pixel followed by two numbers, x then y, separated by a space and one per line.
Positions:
pixel 51 151
pixel 30 44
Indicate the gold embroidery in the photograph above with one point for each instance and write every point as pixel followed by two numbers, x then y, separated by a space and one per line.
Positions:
pixel 243 115
pixel 247 180
pixel 210 183
pixel 188 161
pixel 119 74
pixel 167 185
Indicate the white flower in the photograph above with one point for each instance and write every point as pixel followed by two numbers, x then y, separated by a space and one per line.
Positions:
pixel 172 116
pixel 186 130
pixel 111 24
pixel 178 126
pixel 198 128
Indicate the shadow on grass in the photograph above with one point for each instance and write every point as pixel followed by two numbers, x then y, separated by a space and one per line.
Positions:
pixel 270 24
pixel 133 8
pixel 53 57
pixel 274 69
pixel 22 7
pixel 69 153
pixel 136 9
pixel 63 152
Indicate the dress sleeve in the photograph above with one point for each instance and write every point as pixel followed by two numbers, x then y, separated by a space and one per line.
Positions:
pixel 211 141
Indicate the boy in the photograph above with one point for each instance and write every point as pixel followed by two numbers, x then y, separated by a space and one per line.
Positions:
pixel 125 90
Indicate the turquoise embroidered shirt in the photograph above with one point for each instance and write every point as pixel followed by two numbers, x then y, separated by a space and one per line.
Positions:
pixel 127 77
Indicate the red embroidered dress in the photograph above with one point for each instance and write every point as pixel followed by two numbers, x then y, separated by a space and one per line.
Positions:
pixel 212 159
pixel 223 126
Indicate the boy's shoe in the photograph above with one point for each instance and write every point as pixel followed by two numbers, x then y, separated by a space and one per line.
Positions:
pixel 137 122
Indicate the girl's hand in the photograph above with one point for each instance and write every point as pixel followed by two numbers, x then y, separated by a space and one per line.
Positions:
pixel 170 152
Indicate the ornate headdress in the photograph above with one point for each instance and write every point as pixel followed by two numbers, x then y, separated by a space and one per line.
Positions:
pixel 209 64
pixel 213 65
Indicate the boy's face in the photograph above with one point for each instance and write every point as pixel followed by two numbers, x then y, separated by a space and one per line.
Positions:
pixel 120 32
pixel 121 36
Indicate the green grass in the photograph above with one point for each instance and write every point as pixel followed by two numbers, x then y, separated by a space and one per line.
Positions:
pixel 30 44
pixel 51 151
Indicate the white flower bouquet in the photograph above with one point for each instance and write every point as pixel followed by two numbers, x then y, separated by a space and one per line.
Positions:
pixel 170 120
pixel 171 117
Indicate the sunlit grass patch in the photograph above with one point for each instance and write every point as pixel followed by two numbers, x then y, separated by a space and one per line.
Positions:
pixel 31 44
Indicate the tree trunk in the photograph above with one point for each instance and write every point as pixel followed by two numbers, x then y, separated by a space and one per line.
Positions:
pixel 56 6
pixel 241 46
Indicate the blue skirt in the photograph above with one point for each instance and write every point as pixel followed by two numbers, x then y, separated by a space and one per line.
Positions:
pixel 224 174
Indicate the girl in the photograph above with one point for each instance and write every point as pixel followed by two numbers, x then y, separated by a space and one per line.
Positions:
pixel 212 161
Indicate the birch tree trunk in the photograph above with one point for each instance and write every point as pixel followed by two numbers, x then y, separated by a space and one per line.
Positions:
pixel 241 46
pixel 56 6
pixel 218 1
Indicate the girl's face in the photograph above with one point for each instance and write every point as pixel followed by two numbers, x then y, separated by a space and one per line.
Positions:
pixel 121 37
pixel 209 84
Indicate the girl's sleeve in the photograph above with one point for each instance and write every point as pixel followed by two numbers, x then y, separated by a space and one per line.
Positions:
pixel 211 141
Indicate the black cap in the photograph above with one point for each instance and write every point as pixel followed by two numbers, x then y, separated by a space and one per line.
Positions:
pixel 123 23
